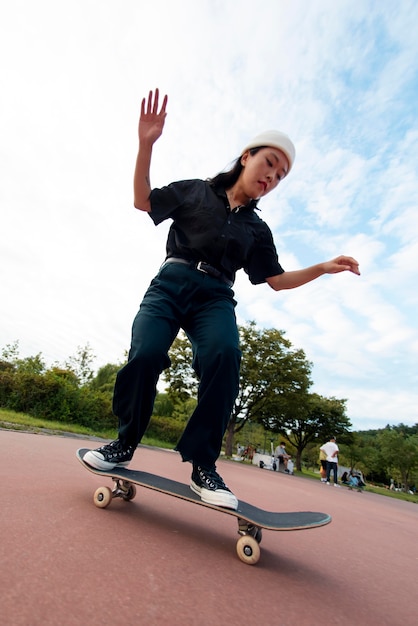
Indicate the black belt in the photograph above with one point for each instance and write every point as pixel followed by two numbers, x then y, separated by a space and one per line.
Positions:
pixel 201 266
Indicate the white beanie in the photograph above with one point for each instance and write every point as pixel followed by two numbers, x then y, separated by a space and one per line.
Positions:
pixel 274 139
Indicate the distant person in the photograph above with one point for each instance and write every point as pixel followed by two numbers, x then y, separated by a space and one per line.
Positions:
pixel 249 452
pixel 323 464
pixel 215 231
pixel 331 450
pixel 345 478
pixel 354 481
pixel 240 450
pixel 281 455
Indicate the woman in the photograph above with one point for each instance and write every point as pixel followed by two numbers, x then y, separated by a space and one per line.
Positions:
pixel 215 232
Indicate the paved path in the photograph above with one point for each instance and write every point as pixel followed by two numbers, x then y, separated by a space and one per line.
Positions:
pixel 159 560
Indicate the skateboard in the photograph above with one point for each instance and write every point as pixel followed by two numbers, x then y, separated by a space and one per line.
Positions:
pixel 251 519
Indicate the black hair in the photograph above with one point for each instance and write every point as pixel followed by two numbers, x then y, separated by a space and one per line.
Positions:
pixel 226 180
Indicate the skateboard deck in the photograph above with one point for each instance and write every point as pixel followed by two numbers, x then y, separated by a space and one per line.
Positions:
pixel 251 519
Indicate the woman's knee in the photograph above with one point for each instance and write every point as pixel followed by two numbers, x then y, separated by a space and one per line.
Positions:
pixel 218 359
pixel 149 356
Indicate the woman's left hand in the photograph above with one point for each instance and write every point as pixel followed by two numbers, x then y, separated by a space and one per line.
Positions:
pixel 342 264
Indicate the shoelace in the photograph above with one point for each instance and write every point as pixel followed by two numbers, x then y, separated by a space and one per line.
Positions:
pixel 114 448
pixel 215 478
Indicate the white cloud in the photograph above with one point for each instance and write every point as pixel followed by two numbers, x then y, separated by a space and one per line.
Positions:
pixel 76 257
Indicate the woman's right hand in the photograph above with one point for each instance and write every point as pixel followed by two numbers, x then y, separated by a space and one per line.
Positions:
pixel 151 121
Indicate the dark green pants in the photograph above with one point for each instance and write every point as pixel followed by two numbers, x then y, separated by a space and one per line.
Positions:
pixel 204 307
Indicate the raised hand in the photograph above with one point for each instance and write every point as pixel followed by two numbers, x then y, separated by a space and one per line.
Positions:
pixel 151 121
pixel 296 278
pixel 342 264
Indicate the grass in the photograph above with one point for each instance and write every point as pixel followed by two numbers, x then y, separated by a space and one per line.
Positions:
pixel 20 421
pixel 381 491
pixel 10 420
pixel 398 495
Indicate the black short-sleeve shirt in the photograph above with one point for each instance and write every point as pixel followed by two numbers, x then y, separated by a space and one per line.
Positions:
pixel 205 229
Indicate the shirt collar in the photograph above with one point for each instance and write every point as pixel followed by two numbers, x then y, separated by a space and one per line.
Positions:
pixel 251 206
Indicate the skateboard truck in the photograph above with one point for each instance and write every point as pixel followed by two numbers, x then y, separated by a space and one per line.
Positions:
pixel 248 549
pixel 121 489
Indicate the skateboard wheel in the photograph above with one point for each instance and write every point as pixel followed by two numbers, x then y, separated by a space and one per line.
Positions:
pixel 248 549
pixel 102 497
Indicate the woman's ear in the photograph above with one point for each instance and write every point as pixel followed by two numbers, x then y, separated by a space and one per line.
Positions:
pixel 244 157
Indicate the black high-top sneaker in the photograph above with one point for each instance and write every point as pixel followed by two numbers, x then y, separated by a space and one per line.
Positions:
pixel 211 488
pixel 111 455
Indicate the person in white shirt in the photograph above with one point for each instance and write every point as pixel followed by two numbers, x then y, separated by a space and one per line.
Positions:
pixel 331 450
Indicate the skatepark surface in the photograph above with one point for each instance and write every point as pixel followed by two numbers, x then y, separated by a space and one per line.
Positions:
pixel 159 559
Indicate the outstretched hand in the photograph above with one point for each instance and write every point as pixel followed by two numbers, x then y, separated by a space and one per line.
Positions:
pixel 342 264
pixel 151 121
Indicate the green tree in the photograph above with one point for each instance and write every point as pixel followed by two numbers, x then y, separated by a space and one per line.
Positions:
pixel 181 378
pixel 271 372
pixel 10 353
pixel 105 378
pixel 81 364
pixel 372 463
pixel 303 418
pixel 163 405
pixel 355 453
pixel 269 368
pixel 31 365
pixel 400 452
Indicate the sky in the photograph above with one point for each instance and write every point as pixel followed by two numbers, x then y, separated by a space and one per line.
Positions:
pixel 340 79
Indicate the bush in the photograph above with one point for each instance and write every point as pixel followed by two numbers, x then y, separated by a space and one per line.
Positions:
pixel 166 429
pixel 7 386
pixel 55 395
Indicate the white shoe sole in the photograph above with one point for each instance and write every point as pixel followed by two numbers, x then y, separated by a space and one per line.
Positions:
pixel 195 487
pixel 219 497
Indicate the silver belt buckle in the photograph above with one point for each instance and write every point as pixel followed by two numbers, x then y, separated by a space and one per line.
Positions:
pixel 200 268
